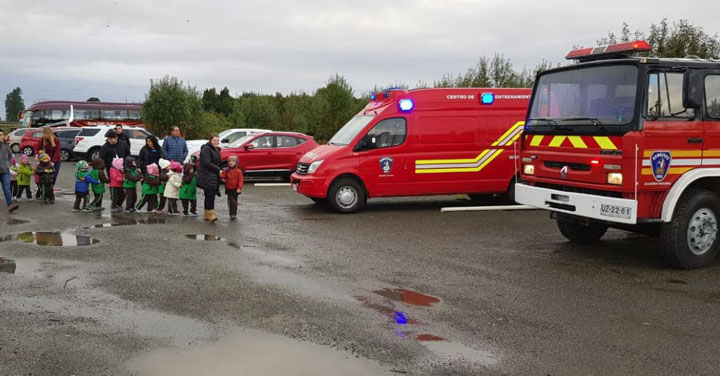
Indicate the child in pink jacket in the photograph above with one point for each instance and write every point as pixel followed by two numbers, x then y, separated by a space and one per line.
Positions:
pixel 117 175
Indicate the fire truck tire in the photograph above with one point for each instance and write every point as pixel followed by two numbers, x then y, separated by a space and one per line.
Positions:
pixel 346 195
pixel 690 238
pixel 511 192
pixel 579 233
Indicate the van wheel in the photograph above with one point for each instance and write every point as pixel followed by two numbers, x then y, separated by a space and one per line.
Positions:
pixel 578 233
pixel 690 238
pixel 64 155
pixel 93 154
pixel 28 150
pixel 346 195
pixel 15 148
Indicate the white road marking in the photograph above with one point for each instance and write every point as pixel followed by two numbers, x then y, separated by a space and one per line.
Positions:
pixel 488 208
pixel 271 184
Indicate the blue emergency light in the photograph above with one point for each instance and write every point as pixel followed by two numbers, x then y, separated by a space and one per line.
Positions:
pixel 372 97
pixel 487 98
pixel 406 104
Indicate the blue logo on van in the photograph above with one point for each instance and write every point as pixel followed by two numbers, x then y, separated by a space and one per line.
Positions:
pixel 386 163
pixel 660 163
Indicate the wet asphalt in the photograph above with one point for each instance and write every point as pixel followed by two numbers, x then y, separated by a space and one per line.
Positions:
pixel 401 286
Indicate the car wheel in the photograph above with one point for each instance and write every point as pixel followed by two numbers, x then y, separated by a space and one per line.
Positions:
pixel 28 150
pixel 64 155
pixel 15 148
pixel 690 238
pixel 346 195
pixel 577 232
pixel 93 154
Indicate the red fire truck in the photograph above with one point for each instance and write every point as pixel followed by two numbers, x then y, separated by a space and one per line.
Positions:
pixel 630 143
pixel 419 142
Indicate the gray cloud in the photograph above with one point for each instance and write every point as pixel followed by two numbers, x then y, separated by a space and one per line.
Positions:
pixel 111 49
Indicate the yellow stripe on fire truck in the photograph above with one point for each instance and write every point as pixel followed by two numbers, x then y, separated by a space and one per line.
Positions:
pixel 436 166
pixel 577 142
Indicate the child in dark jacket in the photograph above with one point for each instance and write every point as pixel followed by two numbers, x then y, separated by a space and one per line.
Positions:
pixel 82 185
pixel 151 181
pixel 163 164
pixel 188 192
pixel 98 174
pixel 132 176
pixel 45 172
pixel 13 177
pixel 117 175
pixel 233 177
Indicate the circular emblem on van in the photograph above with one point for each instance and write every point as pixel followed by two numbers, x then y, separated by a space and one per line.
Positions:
pixel 660 163
pixel 386 164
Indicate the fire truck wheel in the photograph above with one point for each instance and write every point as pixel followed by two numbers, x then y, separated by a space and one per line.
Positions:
pixel 346 195
pixel 690 238
pixel 578 233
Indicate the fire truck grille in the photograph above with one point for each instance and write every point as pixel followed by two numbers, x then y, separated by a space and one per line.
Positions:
pixel 572 166
pixel 302 168
pixel 566 188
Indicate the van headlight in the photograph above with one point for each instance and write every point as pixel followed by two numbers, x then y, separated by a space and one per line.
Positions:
pixel 615 178
pixel 529 169
pixel 314 166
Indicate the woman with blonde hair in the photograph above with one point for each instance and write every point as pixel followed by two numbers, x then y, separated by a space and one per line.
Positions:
pixel 50 145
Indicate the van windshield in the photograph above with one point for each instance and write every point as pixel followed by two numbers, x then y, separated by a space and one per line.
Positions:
pixel 350 130
pixel 603 95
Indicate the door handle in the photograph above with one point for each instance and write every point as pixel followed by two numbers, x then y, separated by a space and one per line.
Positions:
pixel 695 140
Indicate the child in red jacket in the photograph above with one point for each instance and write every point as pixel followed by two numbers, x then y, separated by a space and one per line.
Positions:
pixel 117 175
pixel 233 177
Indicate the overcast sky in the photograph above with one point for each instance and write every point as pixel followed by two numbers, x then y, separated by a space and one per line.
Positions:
pixel 73 50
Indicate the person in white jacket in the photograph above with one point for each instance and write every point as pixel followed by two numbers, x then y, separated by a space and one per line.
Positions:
pixel 172 188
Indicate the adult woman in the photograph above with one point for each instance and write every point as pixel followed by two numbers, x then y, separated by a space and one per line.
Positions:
pixel 208 175
pixel 150 153
pixel 50 144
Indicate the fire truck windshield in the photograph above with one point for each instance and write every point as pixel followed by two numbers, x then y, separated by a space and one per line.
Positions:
pixel 597 96
pixel 347 133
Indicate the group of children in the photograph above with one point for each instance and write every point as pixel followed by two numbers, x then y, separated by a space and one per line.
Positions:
pixel 44 175
pixel 163 183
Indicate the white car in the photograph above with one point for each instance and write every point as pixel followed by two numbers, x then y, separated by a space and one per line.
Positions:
pixel 14 138
pixel 90 139
pixel 228 138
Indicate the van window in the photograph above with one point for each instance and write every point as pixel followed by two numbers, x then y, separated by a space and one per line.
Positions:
pixel 447 130
pixel 712 96
pixel 89 132
pixel 388 133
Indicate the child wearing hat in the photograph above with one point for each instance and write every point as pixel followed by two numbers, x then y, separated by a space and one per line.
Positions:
pixel 98 173
pixel 117 175
pixel 13 177
pixel 233 176
pixel 172 188
pixel 132 176
pixel 188 192
pixel 45 172
pixel 151 181
pixel 24 175
pixel 83 179
pixel 164 164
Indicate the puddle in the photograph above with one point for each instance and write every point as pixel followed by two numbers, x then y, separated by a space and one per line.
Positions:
pixel 408 297
pixel 205 237
pixel 51 239
pixel 7 266
pixel 429 338
pixel 255 353
pixel 117 222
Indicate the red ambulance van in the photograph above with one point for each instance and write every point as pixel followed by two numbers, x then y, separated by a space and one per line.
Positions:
pixel 418 142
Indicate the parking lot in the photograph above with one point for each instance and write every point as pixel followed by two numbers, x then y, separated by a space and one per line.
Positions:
pixel 399 288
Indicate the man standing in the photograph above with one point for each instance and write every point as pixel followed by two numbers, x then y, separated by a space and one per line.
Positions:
pixel 121 136
pixel 175 146
pixel 113 148
pixel 6 157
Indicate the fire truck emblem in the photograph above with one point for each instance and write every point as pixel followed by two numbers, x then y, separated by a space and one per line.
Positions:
pixel 660 162
pixel 564 172
pixel 386 163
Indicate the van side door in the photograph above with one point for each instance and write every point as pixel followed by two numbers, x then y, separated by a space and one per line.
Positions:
pixel 383 158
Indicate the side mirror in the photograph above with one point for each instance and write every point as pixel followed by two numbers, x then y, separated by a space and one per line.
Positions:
pixel 225 140
pixel 692 89
pixel 248 147
pixel 365 143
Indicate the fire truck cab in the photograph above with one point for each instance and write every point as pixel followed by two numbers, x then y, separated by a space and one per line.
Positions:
pixel 630 143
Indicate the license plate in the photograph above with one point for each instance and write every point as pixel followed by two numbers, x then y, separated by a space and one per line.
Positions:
pixel 615 211
pixel 295 186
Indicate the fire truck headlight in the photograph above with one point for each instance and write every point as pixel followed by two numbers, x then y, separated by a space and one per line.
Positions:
pixel 615 178
pixel 529 169
pixel 314 166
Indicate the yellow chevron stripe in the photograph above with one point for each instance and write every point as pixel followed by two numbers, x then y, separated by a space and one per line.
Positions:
pixel 557 141
pixel 460 169
pixel 509 131
pixel 536 140
pixel 676 153
pixel 605 143
pixel 438 161
pixel 577 142
pixel 671 171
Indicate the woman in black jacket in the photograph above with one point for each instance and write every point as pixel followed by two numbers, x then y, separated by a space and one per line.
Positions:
pixel 208 175
pixel 150 153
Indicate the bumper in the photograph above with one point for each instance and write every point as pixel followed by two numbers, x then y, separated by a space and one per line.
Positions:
pixel 608 209
pixel 311 186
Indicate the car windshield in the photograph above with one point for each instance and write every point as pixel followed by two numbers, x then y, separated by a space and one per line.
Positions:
pixel 351 129
pixel 604 95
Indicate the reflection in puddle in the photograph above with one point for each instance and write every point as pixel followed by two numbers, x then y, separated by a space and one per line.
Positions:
pixel 254 353
pixel 7 266
pixel 205 237
pixel 51 239
pixel 428 338
pixel 128 222
pixel 408 297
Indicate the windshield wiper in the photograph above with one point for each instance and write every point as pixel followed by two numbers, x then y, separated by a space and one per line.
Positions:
pixel 554 125
pixel 595 121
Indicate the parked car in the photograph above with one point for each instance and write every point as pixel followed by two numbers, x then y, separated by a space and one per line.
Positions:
pixel 30 140
pixel 67 141
pixel 14 138
pixel 90 139
pixel 228 138
pixel 271 153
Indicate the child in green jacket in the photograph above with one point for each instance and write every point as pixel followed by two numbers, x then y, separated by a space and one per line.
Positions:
pixel 98 173
pixel 132 177
pixel 151 181
pixel 25 173
pixel 188 191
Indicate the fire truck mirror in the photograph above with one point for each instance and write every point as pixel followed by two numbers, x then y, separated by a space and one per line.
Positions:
pixel 692 89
